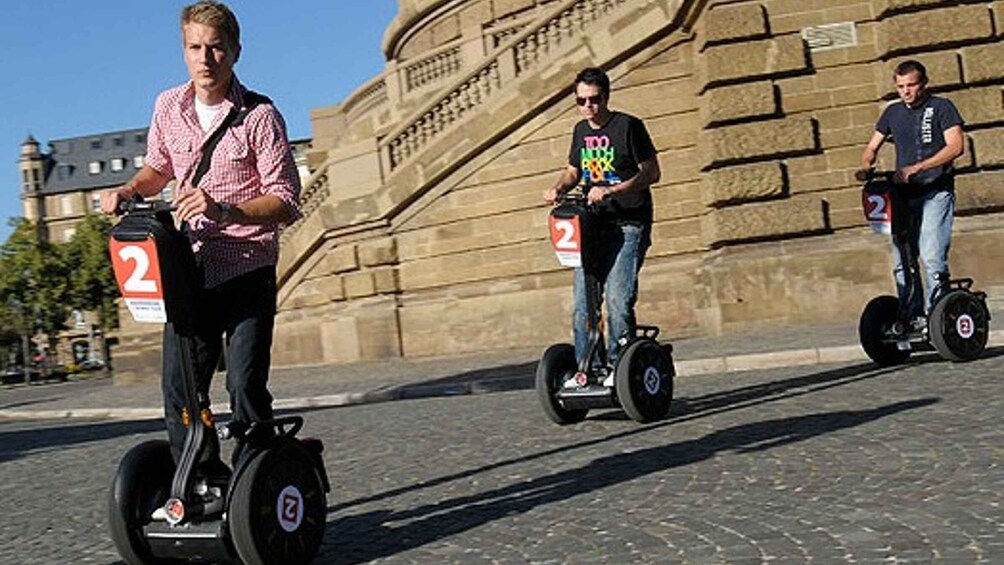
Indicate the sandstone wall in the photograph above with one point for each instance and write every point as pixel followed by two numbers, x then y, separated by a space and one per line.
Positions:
pixel 759 110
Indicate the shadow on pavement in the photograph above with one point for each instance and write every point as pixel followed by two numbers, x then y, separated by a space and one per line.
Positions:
pixel 14 444
pixel 372 535
pixel 684 409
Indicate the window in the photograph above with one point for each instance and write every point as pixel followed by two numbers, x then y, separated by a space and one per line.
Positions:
pixel 66 207
pixel 140 138
pixel 117 141
pixel 96 143
pixel 64 171
pixel 68 234
pixel 96 202
pixel 25 172
pixel 94 167
pixel 137 161
pixel 118 164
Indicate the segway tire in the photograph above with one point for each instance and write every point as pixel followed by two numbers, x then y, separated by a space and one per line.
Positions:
pixel 644 381
pixel 959 326
pixel 141 485
pixel 880 313
pixel 278 508
pixel 557 364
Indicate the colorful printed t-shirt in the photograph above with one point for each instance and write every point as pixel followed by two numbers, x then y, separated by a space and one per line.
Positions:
pixel 609 155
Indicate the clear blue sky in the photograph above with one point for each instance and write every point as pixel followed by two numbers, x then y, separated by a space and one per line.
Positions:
pixel 74 68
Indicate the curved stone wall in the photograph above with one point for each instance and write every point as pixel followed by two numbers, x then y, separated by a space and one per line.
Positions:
pixel 759 108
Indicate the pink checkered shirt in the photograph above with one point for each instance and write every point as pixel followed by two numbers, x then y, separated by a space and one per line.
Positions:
pixel 251 160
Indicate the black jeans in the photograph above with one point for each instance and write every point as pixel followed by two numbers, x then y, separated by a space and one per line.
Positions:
pixel 243 310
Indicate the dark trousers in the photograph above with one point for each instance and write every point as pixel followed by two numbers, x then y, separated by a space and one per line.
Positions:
pixel 243 310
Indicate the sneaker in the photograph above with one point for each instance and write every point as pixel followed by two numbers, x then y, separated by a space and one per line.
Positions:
pixel 159 515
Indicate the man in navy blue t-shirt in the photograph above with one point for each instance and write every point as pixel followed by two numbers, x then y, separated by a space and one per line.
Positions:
pixel 927 133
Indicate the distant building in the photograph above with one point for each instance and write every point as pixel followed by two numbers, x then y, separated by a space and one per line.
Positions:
pixel 60 186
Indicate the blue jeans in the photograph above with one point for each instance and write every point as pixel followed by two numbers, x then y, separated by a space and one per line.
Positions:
pixel 620 256
pixel 242 309
pixel 931 236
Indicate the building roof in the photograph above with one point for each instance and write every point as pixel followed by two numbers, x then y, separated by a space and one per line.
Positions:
pixel 70 165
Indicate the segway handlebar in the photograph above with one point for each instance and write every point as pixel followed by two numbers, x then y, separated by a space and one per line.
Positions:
pixel 139 204
pixel 577 195
pixel 876 179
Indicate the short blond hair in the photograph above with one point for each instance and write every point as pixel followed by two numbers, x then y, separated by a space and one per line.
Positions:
pixel 215 15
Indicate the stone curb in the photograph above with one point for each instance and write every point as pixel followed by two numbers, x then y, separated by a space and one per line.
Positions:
pixel 684 368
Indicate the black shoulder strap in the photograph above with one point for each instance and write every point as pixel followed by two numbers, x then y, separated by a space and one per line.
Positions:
pixel 233 118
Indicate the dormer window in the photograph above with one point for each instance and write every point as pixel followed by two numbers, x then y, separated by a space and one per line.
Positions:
pixel 64 171
pixel 94 167
pixel 96 143
pixel 137 161
pixel 118 164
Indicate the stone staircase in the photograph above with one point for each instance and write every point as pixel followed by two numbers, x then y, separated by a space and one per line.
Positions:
pixel 377 178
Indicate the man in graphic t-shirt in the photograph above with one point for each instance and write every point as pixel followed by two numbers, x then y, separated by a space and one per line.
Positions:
pixel 613 156
pixel 927 133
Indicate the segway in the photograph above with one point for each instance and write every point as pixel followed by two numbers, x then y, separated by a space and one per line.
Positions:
pixel 641 383
pixel 959 322
pixel 272 508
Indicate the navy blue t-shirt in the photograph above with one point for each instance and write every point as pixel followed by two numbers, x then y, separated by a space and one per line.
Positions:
pixel 920 133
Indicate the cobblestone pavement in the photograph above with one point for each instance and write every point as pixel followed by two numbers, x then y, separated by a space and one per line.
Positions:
pixel 843 463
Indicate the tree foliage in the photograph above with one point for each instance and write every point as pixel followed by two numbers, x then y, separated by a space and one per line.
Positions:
pixel 41 282
pixel 33 279
pixel 91 279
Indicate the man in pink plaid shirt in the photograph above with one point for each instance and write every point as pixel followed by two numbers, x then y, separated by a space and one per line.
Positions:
pixel 233 216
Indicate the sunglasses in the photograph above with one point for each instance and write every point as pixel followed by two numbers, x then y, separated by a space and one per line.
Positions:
pixel 581 101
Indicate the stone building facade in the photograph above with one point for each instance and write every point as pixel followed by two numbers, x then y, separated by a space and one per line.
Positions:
pixel 424 230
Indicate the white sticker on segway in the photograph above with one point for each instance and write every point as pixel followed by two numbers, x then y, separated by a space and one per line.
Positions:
pixel 137 271
pixel 878 211
pixel 965 327
pixel 289 508
pixel 566 239
pixel 653 381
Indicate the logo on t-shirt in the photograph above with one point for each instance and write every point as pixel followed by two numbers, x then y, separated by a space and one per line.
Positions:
pixel 926 126
pixel 597 160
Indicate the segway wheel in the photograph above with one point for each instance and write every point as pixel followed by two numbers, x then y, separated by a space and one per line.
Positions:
pixel 278 508
pixel 880 313
pixel 141 485
pixel 556 365
pixel 959 326
pixel 644 381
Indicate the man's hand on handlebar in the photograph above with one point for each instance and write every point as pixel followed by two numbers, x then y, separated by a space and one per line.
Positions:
pixel 597 194
pixel 863 175
pixel 551 195
pixel 195 201
pixel 904 175
pixel 110 199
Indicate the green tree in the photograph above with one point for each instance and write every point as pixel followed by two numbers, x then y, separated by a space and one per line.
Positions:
pixel 92 281
pixel 34 281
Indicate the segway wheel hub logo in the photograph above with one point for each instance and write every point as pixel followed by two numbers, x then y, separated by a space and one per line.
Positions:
pixel 289 508
pixel 175 510
pixel 965 327
pixel 652 380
